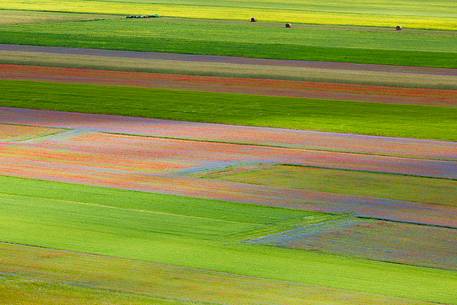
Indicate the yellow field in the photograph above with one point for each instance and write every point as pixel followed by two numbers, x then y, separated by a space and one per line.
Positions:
pixel 415 16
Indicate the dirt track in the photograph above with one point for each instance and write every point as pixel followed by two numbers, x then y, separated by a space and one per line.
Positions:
pixel 269 87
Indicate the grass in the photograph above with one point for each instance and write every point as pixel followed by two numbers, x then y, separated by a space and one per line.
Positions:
pixel 409 188
pixel 438 14
pixel 193 233
pixel 267 40
pixel 337 116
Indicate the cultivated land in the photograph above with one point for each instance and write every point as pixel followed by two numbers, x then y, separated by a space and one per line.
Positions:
pixel 21 133
pixel 273 137
pixel 392 76
pixel 376 240
pixel 64 276
pixel 235 38
pixel 199 158
pixel 267 87
pixel 409 188
pixel 194 233
pixel 323 115
pixel 439 14
pixel 118 152
pixel 32 17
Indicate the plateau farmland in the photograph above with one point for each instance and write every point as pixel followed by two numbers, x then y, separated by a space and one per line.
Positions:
pixel 239 152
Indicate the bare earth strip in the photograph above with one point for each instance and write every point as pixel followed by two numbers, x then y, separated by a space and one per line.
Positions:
pixel 85 155
pixel 269 87
pixel 402 147
pixel 382 75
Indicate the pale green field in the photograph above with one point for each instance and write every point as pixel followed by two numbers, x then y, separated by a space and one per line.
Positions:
pixel 437 14
pixel 193 233
pixel 409 188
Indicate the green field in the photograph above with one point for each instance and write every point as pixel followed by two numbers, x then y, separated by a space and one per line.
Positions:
pixel 336 116
pixel 195 233
pixel 439 14
pixel 265 40
pixel 379 185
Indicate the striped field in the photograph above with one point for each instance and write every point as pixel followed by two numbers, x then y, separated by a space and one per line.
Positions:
pixel 196 156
